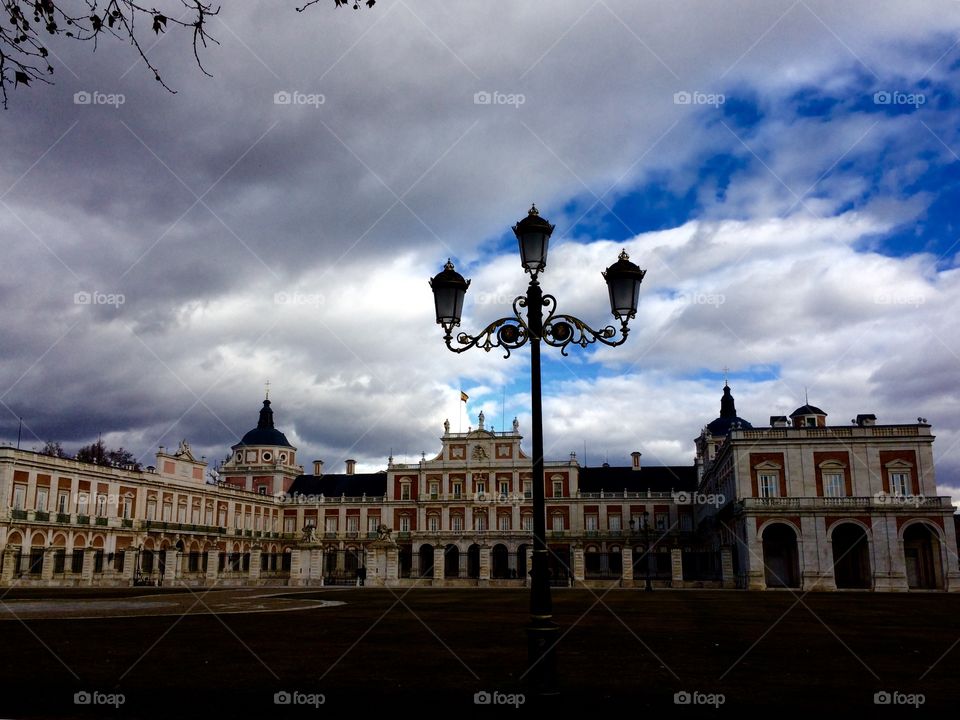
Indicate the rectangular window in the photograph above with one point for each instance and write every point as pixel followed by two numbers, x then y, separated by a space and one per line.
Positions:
pixel 481 486
pixel 661 520
pixel 614 522
pixel 558 488
pixel 262 489
pixel 528 489
pixel 330 525
pixel 557 523
pixel 63 502
pixel 480 522
pixel 209 517
pixel 353 523
pixel 237 517
pixel 636 521
pixel 127 508
pixel 504 522
pixel 182 514
pixel 19 493
pixel 289 525
pixel 504 488
pixel 405 523
pixel 433 523
pixel 258 522
pixel 686 522
pixel 405 491
pixel 457 490
pixel 101 509
pixel 373 521
pixel 591 522
pixel 456 523
pixel 526 522
pixel 434 491
pixel 900 483
pixel 223 517
pixel 195 518
pixel 768 485
pixel 833 485
pixel 42 499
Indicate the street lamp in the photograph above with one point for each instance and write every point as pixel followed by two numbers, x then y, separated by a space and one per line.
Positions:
pixel 646 544
pixel 558 330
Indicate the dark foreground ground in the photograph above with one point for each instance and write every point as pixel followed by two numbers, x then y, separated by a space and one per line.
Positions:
pixel 434 650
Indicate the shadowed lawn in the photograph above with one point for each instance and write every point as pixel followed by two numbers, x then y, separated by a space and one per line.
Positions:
pixel 439 647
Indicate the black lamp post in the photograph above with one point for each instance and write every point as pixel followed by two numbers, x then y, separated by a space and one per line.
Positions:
pixel 558 330
pixel 646 544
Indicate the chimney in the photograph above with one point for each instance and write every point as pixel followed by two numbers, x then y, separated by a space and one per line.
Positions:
pixel 351 466
pixel 318 467
pixel 636 459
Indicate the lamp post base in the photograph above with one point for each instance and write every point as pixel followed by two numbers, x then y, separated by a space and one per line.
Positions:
pixel 542 636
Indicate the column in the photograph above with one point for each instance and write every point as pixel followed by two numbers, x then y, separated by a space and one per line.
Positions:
pixel 315 575
pixel 726 567
pixel 578 569
pixel 213 561
pixel 485 565
pixel 393 566
pixel 529 564
pixel 296 570
pixel 253 576
pixel 626 562
pixel 753 557
pixel 439 561
pixel 86 572
pixel 171 567
pixel 676 567
pixel 129 565
pixel 9 564
pixel 46 572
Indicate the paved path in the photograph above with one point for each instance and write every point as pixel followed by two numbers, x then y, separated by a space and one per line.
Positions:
pixel 191 602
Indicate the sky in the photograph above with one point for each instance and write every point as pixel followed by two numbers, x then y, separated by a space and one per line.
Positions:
pixel 786 172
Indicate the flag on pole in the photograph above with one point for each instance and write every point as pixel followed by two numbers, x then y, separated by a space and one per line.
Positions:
pixel 463 396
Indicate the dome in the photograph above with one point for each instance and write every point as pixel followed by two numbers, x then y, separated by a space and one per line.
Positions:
pixel 265 433
pixel 807 410
pixel 728 416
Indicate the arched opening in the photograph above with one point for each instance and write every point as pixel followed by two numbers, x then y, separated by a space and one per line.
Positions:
pixel 780 556
pixel 473 561
pixel 499 562
pixel 426 560
pixel 851 557
pixel 921 552
pixel 558 565
pixel 522 568
pixel 451 561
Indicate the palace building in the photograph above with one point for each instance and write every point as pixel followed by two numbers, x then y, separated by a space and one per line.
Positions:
pixel 798 504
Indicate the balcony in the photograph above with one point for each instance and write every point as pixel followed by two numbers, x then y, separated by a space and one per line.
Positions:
pixel 870 502
pixel 41 516
pixel 18 514
pixel 63 517
pixel 83 519
pixel 102 521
